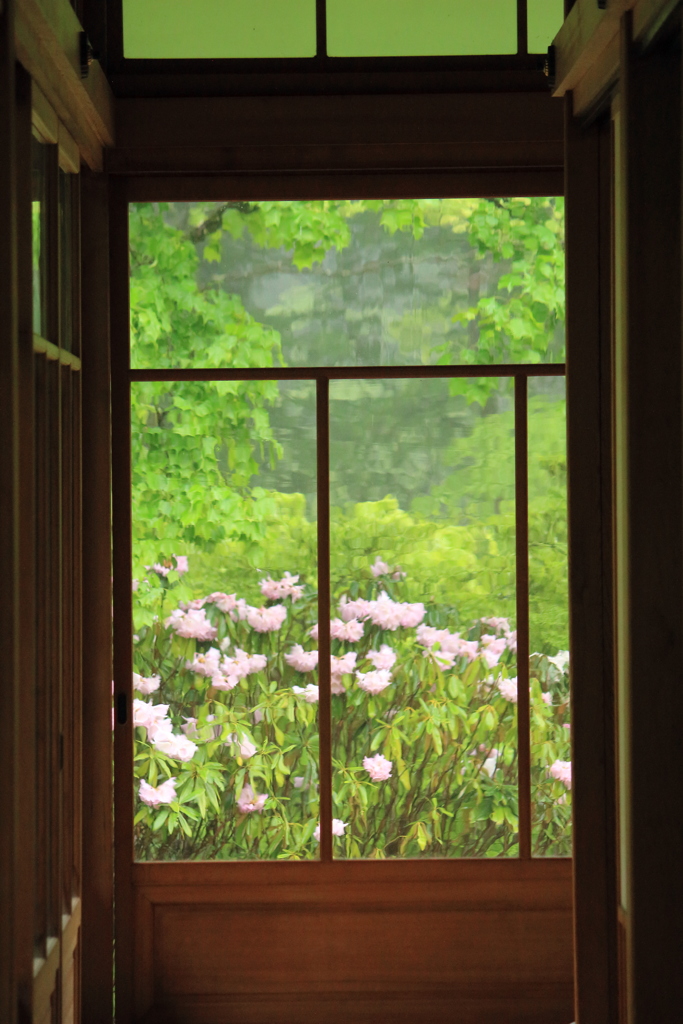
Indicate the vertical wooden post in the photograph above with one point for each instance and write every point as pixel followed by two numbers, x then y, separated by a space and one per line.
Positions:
pixel 588 234
pixel 98 870
pixel 123 604
pixel 649 514
pixel 10 516
pixel 25 882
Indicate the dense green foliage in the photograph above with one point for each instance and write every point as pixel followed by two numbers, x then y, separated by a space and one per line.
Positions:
pixel 447 727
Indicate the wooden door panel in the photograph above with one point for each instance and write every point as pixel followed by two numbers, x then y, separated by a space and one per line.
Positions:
pixel 355 942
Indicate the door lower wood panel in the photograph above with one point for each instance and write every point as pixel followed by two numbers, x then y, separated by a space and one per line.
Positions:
pixel 463 942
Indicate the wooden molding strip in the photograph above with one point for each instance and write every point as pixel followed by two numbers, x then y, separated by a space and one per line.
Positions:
pixel 54 353
pixel 47 44
pixel 587 45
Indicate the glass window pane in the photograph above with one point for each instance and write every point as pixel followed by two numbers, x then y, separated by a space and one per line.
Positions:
pixel 544 21
pixel 411 28
pixel 549 620
pixel 214 29
pixel 226 747
pixel 39 236
pixel 423 580
pixel 66 260
pixel 340 283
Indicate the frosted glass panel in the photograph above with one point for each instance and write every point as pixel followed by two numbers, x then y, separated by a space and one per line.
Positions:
pixel 218 28
pixel 544 21
pixel 413 28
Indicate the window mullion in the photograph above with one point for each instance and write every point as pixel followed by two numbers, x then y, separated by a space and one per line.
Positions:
pixel 522 592
pixel 324 604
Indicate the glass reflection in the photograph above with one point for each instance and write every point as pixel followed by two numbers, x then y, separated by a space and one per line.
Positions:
pixel 424 646
pixel 225 709
pixel 551 795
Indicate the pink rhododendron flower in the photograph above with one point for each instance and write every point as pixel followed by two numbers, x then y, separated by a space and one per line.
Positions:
pixel 248 801
pixel 224 602
pixel 562 771
pixel 159 569
pixel 313 632
pixel 146 684
pixel 351 630
pixel 378 767
pixel 192 624
pixel 359 609
pixel 411 614
pixel 198 602
pixel 205 664
pixel 442 659
pixel 246 747
pixel 298 781
pixel 301 660
pixel 380 568
pixel 266 620
pixel 153 796
pixel 136 584
pixel 309 693
pixel 512 641
pixel 181 564
pixel 145 714
pixel 338 827
pixel 385 613
pixel 546 697
pixel 341 666
pixel 236 668
pixel 275 590
pixel 374 682
pixel 388 614
pixel 181 748
pixel 491 648
pixel 383 658
pixel 500 625
pixel 508 688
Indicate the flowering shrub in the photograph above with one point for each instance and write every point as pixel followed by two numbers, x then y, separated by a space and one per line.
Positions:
pixel 424 744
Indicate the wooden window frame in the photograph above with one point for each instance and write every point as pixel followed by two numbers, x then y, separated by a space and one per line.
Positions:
pixel 143 889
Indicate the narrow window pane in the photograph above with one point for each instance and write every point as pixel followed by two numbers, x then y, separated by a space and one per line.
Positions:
pixel 348 283
pixel 549 620
pixel 225 581
pixel 544 21
pixel 424 646
pixel 39 236
pixel 66 259
pixel 215 29
pixel 409 28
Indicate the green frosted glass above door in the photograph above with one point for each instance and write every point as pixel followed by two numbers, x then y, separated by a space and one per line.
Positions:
pixel 544 21
pixel 420 28
pixel 213 29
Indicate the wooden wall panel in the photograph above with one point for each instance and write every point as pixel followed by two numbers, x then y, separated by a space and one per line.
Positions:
pixel 337 133
pixel 473 942
pixel 651 516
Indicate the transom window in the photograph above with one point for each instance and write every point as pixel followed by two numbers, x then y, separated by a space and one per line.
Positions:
pixel 349 576
pixel 216 29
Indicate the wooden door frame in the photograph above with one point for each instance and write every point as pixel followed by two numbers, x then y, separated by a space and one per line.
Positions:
pixel 163 172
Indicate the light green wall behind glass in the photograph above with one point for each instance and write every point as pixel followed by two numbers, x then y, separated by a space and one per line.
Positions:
pixel 416 28
pixel 218 28
pixel 544 20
